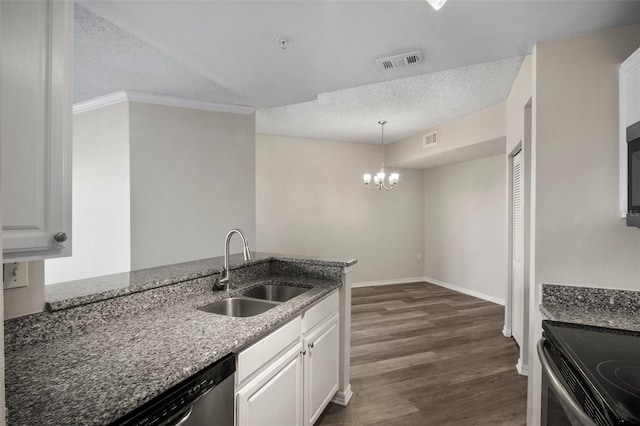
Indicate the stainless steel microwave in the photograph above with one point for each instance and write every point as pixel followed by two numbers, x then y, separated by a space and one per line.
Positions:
pixel 633 195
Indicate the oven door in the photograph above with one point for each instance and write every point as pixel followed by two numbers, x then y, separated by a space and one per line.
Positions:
pixel 559 407
pixel 633 170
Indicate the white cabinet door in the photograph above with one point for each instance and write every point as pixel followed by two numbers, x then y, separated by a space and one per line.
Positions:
pixel 36 39
pixel 629 114
pixel 274 397
pixel 320 368
pixel 630 93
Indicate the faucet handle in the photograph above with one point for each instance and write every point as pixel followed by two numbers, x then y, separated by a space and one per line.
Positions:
pixel 216 283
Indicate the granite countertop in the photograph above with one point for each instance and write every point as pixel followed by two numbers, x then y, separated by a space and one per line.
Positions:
pixel 99 375
pixel 601 307
pixel 80 292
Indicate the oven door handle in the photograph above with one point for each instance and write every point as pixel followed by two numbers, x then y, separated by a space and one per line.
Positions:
pixel 566 399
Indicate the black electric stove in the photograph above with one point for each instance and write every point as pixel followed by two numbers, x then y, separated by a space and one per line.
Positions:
pixel 600 367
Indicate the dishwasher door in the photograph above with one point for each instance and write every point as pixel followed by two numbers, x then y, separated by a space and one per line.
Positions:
pixel 214 408
pixel 204 399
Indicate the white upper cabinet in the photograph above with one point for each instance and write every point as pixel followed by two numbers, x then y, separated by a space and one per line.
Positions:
pixel 36 41
pixel 630 90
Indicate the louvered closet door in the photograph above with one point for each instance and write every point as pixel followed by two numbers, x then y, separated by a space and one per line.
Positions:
pixel 518 249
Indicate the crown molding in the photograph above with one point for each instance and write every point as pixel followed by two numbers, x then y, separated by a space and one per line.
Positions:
pixel 150 98
pixel 100 101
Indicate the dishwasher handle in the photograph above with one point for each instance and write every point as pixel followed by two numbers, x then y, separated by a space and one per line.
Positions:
pixel 567 401
pixel 185 417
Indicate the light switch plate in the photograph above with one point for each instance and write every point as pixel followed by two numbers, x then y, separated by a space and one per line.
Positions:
pixel 15 275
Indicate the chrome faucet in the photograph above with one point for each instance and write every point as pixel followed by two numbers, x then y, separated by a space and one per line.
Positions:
pixel 223 279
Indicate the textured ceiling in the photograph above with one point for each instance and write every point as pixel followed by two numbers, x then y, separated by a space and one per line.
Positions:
pixel 409 105
pixel 109 59
pixel 326 83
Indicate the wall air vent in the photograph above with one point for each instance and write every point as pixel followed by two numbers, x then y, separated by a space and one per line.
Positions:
pixel 398 61
pixel 430 139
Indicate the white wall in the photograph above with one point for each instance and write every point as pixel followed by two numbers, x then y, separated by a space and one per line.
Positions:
pixel 100 192
pixel 311 200
pixel 192 180
pixel 578 241
pixel 464 226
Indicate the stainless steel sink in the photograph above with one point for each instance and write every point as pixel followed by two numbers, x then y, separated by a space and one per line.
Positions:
pixel 238 307
pixel 275 292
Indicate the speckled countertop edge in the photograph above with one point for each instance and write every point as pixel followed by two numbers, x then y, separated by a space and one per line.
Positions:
pixel 600 307
pixel 81 292
pixel 94 378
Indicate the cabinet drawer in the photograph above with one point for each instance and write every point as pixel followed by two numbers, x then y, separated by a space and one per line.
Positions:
pixel 320 311
pixel 263 351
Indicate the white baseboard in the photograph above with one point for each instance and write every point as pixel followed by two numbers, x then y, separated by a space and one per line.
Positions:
pixel 465 291
pixel 506 332
pixel 388 282
pixel 523 369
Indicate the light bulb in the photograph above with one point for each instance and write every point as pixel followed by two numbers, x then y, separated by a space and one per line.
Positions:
pixel 380 176
pixel 367 178
pixel 376 179
pixel 437 4
pixel 393 178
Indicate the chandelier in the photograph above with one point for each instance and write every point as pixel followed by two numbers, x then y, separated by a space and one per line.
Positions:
pixel 378 179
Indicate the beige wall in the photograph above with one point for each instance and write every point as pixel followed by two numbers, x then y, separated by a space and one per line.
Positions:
pixel 311 200
pixel 485 125
pixel 579 238
pixel 192 180
pixel 2 403
pixel 464 232
pixel 100 193
pixel 519 96
pixel 26 300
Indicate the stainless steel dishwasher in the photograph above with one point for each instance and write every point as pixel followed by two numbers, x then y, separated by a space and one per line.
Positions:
pixel 205 399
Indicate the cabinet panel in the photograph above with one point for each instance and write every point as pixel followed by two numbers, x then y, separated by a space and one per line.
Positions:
pixel 265 350
pixel 633 95
pixel 274 398
pixel 321 368
pixel 35 110
pixel 320 311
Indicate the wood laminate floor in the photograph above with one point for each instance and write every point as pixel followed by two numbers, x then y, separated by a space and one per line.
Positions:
pixel 425 355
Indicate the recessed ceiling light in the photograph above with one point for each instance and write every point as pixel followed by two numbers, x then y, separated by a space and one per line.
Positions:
pixel 437 4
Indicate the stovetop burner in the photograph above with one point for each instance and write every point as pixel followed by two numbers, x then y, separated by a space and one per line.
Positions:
pixel 624 375
pixel 608 359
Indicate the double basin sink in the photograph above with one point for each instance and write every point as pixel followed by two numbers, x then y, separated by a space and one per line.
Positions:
pixel 254 301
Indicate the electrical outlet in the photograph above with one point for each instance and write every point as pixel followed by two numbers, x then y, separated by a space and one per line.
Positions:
pixel 15 275
pixel 419 256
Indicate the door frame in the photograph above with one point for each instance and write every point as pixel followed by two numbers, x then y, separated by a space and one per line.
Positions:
pixel 525 146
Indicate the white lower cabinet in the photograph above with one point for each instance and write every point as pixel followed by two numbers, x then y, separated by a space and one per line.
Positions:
pixel 321 365
pixel 288 377
pixel 274 398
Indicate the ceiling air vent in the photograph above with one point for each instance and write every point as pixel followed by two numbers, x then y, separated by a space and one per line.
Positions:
pixel 430 139
pixel 398 61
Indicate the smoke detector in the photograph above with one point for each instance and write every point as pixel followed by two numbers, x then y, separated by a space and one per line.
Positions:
pixel 398 61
